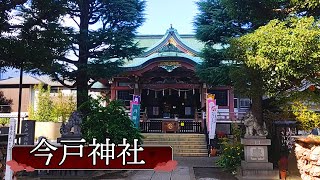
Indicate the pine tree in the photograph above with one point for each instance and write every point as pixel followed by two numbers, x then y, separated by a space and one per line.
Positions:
pixel 77 51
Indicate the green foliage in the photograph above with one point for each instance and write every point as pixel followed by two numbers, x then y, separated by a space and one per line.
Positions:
pixel 286 52
pixel 108 122
pixel 236 132
pixel 44 105
pixel 4 121
pixel 232 154
pixel 63 106
pixel 232 150
pixel 213 24
pixel 311 7
pixel 100 30
pixel 308 119
pixel 49 108
pixel 4 100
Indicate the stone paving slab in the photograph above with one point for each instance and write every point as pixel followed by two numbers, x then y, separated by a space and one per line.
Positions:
pixel 142 175
pixel 161 176
pixel 181 173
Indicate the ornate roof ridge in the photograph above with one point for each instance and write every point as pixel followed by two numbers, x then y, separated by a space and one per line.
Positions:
pixel 171 37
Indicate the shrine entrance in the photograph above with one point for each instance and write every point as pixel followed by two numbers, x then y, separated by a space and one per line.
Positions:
pixel 178 104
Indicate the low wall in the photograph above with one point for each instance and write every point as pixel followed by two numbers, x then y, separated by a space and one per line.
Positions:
pixel 50 130
pixel 308 158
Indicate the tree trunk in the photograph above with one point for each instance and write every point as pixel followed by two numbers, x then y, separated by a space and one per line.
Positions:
pixel 82 74
pixel 256 96
pixel 257 109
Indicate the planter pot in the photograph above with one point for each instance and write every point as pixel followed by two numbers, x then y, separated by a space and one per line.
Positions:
pixel 283 163
pixel 213 152
pixel 50 130
pixel 283 174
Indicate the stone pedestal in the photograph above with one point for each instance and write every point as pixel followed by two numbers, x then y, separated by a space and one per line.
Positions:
pixel 256 165
pixel 69 137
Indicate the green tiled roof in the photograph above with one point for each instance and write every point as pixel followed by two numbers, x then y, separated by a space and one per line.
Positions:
pixel 171 44
pixel 146 41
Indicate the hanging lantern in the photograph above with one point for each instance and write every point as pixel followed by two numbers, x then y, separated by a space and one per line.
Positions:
pixel 312 88
pixel 185 95
pixel 163 92
pixel 148 92
pixel 170 92
pixel 179 92
pixel 155 94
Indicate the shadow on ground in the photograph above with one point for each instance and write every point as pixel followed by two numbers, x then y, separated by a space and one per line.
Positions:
pixel 208 173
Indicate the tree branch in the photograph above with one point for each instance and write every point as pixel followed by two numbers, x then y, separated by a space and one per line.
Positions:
pixel 68 60
pixel 74 51
pixel 72 17
pixel 61 81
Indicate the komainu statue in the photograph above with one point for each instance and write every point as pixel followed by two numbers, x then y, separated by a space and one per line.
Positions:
pixel 252 126
pixel 72 127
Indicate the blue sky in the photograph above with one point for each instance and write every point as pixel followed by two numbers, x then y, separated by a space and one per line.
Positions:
pixel 159 15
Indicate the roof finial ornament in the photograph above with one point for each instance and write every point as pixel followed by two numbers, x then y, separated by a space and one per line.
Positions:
pixel 170 26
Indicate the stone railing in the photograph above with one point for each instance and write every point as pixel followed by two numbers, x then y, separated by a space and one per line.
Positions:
pixel 307 151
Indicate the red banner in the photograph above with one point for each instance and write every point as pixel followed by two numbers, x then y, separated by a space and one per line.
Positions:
pixel 89 158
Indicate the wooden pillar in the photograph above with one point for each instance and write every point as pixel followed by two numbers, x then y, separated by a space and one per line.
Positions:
pixel 231 104
pixel 203 94
pixel 136 89
pixel 113 95
pixel 203 101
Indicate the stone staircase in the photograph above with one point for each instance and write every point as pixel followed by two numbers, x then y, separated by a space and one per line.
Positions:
pixel 190 145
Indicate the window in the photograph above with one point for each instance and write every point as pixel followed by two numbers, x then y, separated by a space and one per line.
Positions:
pixel 187 111
pixel 123 84
pixel 125 96
pixel 54 90
pixel 245 103
pixel 235 102
pixel 221 96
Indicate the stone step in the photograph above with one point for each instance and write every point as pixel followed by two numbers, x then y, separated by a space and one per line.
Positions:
pixel 191 154
pixel 174 139
pixel 171 135
pixel 203 150
pixel 184 146
pixel 174 143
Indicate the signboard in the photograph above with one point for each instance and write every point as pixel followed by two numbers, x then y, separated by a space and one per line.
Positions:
pixel 212 112
pixel 136 99
pixel 209 99
pixel 135 110
pixel 135 114
pixel 11 138
pixel 212 119
pixel 28 127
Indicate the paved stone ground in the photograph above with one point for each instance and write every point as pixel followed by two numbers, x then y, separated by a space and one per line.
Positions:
pixel 212 174
pixel 189 168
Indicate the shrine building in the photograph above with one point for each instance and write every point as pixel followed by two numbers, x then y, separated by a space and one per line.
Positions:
pixel 164 76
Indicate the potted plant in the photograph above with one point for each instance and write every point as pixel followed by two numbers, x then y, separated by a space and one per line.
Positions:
pixel 283 164
pixel 213 151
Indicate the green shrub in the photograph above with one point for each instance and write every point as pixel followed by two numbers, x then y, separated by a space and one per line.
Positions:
pixel 63 106
pixel 44 109
pixel 231 150
pixel 232 154
pixel 4 121
pixel 308 119
pixel 51 108
pixel 107 122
